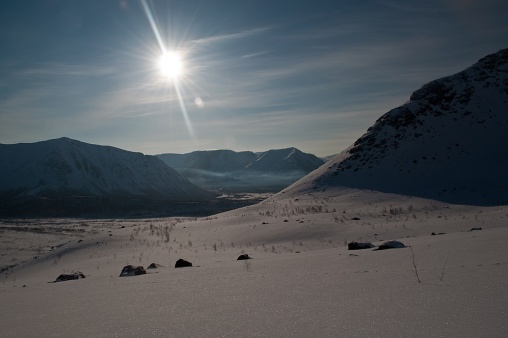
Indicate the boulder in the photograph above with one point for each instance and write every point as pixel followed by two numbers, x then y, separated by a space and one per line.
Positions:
pixel 154 266
pixel 391 245
pixel 181 263
pixel 71 276
pixel 243 257
pixel 131 270
pixel 359 246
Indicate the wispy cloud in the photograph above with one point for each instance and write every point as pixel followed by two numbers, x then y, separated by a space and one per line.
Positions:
pixel 221 38
pixel 246 56
pixel 312 79
pixel 63 69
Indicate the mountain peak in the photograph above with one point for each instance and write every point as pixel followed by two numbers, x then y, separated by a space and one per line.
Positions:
pixel 285 160
pixel 243 171
pixel 446 143
pixel 65 167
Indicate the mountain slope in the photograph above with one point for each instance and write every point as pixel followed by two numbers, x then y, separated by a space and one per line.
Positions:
pixel 449 142
pixel 65 167
pixel 245 171
pixel 285 160
pixel 212 160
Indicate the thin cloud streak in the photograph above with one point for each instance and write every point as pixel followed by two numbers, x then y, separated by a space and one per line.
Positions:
pixel 254 55
pixel 72 70
pixel 217 39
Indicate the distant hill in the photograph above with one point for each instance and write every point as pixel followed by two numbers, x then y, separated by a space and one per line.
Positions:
pixel 244 171
pixel 285 160
pixel 328 158
pixel 65 169
pixel 210 160
pixel 448 143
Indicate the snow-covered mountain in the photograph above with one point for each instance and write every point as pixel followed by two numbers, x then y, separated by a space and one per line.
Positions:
pixel 211 160
pixel 285 160
pixel 328 157
pixel 243 171
pixel 275 160
pixel 448 142
pixel 64 168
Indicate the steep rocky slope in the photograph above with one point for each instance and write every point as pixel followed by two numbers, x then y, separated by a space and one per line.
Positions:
pixel 448 142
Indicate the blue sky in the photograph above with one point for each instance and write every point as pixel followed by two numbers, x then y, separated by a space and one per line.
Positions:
pixel 257 75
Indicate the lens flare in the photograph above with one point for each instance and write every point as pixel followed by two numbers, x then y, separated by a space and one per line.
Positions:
pixel 199 102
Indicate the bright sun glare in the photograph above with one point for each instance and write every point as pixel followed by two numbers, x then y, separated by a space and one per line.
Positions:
pixel 171 65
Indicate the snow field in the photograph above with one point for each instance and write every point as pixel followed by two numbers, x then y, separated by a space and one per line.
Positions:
pixel 324 290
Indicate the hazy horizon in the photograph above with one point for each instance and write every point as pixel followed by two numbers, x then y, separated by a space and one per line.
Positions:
pixel 254 75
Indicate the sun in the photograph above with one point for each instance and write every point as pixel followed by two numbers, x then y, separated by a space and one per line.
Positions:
pixel 171 65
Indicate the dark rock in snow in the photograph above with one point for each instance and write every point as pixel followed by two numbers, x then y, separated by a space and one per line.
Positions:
pixel 71 276
pixel 243 257
pixel 391 245
pixel 439 233
pixel 475 229
pixel 154 266
pixel 131 270
pixel 181 263
pixel 359 246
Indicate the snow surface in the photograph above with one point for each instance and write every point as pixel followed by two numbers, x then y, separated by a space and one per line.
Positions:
pixel 302 280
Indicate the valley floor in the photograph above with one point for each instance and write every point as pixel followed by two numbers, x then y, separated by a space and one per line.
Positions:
pixel 302 280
